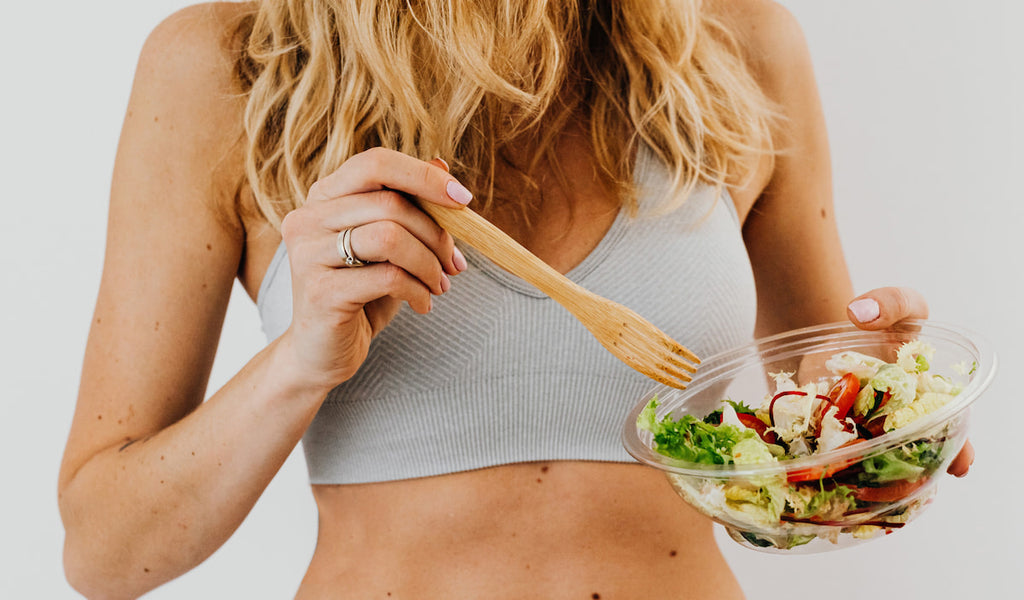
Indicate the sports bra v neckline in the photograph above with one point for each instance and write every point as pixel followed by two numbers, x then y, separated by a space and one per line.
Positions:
pixel 576 274
pixel 591 261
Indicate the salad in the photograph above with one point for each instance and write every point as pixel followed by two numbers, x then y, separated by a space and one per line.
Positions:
pixel 859 495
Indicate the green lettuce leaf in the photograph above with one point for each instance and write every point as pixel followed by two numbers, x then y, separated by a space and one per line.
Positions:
pixel 905 463
pixel 691 439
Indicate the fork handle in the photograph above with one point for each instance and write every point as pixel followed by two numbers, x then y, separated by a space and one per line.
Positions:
pixel 504 251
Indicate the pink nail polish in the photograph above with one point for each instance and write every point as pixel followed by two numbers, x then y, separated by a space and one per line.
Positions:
pixel 865 310
pixel 459 260
pixel 444 162
pixel 458 192
pixel 446 284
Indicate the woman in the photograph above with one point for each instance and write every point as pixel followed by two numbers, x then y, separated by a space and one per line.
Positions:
pixel 288 143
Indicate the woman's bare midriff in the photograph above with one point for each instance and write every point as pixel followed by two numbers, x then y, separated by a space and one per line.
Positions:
pixel 533 530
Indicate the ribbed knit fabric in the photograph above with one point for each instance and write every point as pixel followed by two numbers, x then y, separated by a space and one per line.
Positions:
pixel 499 373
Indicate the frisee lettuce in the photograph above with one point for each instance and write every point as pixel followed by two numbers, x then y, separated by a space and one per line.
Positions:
pixel 691 439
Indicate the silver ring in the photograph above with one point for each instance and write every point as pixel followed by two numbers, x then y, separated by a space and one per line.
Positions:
pixel 344 243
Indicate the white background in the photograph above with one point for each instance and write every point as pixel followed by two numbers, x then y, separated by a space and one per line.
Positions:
pixel 923 101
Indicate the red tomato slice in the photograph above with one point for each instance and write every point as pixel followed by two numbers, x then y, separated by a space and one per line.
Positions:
pixel 812 473
pixel 821 471
pixel 844 393
pixel 758 425
pixel 889 493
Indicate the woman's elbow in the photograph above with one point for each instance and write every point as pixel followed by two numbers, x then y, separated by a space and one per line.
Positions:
pixel 96 578
pixel 96 566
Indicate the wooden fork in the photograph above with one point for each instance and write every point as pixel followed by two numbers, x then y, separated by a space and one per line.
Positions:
pixel 627 335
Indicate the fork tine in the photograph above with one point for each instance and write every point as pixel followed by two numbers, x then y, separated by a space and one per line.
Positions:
pixel 679 352
pixel 651 351
pixel 680 375
pixel 656 363
pixel 679 362
pixel 661 378
pixel 678 349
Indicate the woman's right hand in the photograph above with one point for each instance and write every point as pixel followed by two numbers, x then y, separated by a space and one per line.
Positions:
pixel 338 309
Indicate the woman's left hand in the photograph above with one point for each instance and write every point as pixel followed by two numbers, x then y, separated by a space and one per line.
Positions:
pixel 883 307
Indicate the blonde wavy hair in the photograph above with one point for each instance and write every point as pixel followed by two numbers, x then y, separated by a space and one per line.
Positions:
pixel 469 80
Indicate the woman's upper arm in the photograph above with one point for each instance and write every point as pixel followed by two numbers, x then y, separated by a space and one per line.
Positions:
pixel 173 245
pixel 791 232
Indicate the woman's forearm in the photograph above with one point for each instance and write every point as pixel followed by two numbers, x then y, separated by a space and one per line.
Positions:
pixel 142 513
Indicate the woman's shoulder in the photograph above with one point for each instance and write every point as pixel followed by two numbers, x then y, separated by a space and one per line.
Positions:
pixel 187 102
pixel 774 49
pixel 196 47
pixel 755 21
pixel 769 36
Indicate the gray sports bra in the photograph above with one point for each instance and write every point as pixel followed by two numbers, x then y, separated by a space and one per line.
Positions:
pixel 498 373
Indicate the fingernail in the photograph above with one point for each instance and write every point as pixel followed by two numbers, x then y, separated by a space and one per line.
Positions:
pixel 459 260
pixel 443 162
pixel 864 310
pixel 458 192
pixel 446 284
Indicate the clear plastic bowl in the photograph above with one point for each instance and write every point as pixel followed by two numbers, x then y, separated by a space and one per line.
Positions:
pixel 741 374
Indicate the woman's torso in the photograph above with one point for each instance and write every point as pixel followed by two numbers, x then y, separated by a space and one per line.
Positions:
pixel 560 529
pixel 556 529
